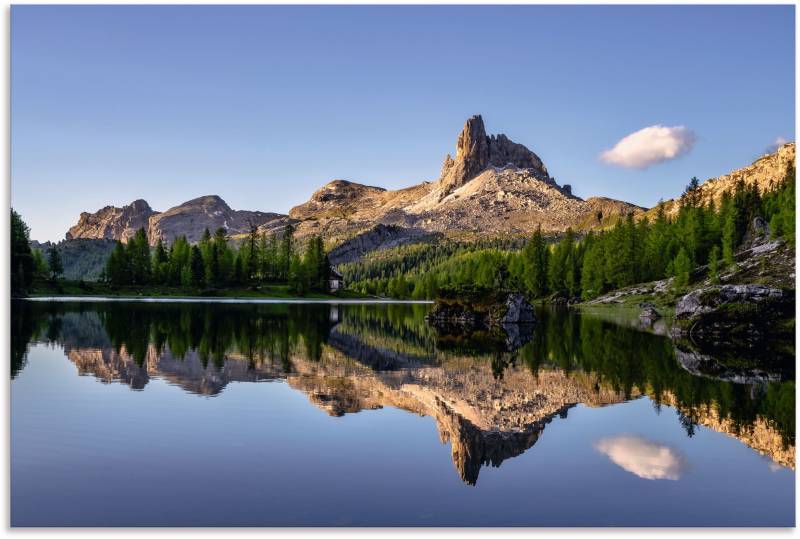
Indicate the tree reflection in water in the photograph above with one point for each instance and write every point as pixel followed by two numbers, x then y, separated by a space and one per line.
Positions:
pixel 491 401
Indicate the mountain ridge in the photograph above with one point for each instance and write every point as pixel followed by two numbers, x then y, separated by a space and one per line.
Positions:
pixel 765 172
pixel 492 187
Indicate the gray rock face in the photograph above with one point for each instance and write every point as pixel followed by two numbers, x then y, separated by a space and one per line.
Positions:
pixel 518 310
pixel 649 313
pixel 475 152
pixel 758 233
pixel 113 223
pixel 193 217
pixel 707 366
pixel 497 312
pixel 747 311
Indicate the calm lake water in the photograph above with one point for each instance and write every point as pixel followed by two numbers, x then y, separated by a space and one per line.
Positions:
pixel 190 414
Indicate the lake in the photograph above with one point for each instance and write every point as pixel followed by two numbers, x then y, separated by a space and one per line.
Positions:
pixel 287 414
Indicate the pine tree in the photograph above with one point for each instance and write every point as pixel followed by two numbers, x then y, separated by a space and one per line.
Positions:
pixel 39 265
pixel 213 274
pixel 270 263
pixel 54 262
pixel 225 256
pixel 323 269
pixel 197 268
pixel 118 269
pixel 592 274
pixel 713 264
pixel 238 269
pixel 179 260
pixel 630 252
pixel 681 267
pixel 535 255
pixel 138 251
pixel 160 263
pixel 252 261
pixel 655 256
pixel 263 254
pixel 22 258
pixel 298 282
pixel 729 236
pixel 616 261
pixel 285 256
pixel 691 195
pixel 205 245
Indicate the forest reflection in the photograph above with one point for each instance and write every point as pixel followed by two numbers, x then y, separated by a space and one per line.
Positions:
pixel 360 356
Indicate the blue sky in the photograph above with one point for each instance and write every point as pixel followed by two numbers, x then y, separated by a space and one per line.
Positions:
pixel 264 104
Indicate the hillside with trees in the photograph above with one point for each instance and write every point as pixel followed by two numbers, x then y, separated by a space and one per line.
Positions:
pixel 584 267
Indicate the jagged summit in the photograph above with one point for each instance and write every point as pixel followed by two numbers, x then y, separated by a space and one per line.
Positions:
pixel 475 152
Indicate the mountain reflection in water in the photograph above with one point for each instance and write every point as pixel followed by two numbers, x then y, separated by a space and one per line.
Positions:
pixel 489 404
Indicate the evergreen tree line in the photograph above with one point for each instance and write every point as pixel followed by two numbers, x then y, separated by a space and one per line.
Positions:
pixel 391 272
pixel 214 263
pixel 629 253
pixel 22 263
pixel 620 358
pixel 28 264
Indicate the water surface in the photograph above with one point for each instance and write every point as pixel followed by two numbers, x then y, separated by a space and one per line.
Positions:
pixel 198 414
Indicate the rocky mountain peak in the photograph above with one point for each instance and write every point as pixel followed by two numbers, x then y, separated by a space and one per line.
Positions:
pixel 140 205
pixel 207 202
pixel 112 222
pixel 335 197
pixel 475 151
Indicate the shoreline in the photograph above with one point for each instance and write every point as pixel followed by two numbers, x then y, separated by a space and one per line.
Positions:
pixel 212 299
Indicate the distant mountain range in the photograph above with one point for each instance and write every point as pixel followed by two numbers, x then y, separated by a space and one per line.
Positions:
pixel 190 219
pixel 492 187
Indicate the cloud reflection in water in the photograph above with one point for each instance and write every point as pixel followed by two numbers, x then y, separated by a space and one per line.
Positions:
pixel 642 457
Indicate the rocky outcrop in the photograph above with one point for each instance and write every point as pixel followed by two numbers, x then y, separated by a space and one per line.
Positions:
pixel 699 364
pixel 475 152
pixel 746 313
pixel 113 223
pixel 479 309
pixel 649 314
pixel 518 310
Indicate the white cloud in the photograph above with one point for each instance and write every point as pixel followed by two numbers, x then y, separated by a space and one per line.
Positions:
pixel 649 146
pixel 780 141
pixel 641 457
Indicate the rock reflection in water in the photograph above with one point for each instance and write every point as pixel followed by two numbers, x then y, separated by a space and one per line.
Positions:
pixel 489 403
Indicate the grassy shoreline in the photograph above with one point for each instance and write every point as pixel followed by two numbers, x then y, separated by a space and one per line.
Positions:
pixel 92 289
